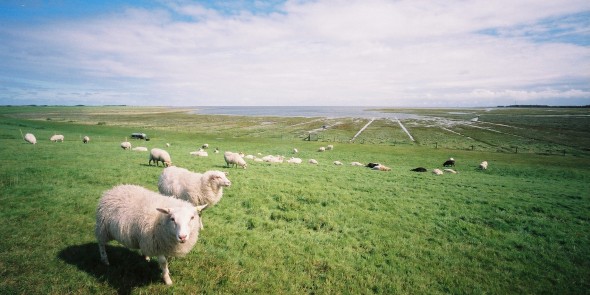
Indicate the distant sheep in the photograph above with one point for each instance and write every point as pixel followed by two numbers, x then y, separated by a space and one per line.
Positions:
pixel 273 159
pixel 356 164
pixel 419 169
pixel 337 163
pixel 159 155
pixel 313 161
pixel 197 188
pixel 449 163
pixel 232 159
pixel 199 153
pixel 381 167
pixel 167 144
pixel 140 149
pixel 125 145
pixel 56 138
pixel 483 165
pixel 372 165
pixel 294 160
pixel 329 147
pixel 437 172
pixel 205 146
pixel 249 157
pixel 322 149
pixel 141 219
pixel 86 139
pixel 30 138
pixel 295 150
pixel 450 171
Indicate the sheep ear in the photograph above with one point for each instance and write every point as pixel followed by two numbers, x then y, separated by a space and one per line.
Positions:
pixel 164 210
pixel 200 208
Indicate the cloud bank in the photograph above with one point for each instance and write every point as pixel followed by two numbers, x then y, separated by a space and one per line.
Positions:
pixel 369 52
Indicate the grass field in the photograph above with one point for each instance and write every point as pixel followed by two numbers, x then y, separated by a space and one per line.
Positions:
pixel 520 227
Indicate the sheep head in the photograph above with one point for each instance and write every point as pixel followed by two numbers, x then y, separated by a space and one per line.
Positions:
pixel 180 220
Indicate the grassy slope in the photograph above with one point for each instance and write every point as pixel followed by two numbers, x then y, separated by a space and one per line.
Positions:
pixel 520 227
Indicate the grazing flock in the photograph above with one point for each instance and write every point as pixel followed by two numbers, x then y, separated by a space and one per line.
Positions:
pixel 167 223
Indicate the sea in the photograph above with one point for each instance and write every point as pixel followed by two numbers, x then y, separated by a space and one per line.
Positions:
pixel 302 111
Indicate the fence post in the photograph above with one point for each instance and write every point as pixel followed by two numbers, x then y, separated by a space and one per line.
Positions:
pixel 516 150
pixel 472 147
pixel 564 153
pixel 436 145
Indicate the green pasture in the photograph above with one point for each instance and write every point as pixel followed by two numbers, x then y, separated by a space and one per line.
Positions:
pixel 520 227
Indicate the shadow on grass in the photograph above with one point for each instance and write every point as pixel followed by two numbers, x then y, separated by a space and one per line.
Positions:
pixel 127 271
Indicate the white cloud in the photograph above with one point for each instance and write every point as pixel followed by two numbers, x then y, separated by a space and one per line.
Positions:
pixel 309 53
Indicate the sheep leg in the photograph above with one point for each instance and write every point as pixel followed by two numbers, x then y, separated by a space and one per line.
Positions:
pixel 164 267
pixel 103 253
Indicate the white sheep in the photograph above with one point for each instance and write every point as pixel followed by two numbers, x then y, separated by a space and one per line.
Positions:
pixel 159 155
pixel 322 149
pixel 294 160
pixel 57 137
pixel 197 188
pixel 141 219
pixel 273 159
pixel 85 139
pixel 30 138
pixel 125 145
pixel 329 147
pixel 295 150
pixel 313 161
pixel 205 146
pixel 167 144
pixel 199 153
pixel 337 163
pixel 356 164
pixel 483 165
pixel 140 149
pixel 450 171
pixel 437 172
pixel 234 159
pixel 381 167
pixel 249 157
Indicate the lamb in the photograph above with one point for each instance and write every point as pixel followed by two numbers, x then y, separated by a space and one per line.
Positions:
pixel 294 160
pixel 57 137
pixel 140 149
pixel 85 139
pixel 483 165
pixel 419 169
pixel 125 145
pixel 450 162
pixel 381 167
pixel 313 161
pixel 234 159
pixel 437 172
pixel 30 138
pixel 337 163
pixel 141 219
pixel 198 189
pixel 158 155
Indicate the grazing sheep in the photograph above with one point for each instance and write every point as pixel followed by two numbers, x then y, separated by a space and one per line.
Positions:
pixel 372 165
pixel 295 160
pixel 322 149
pixel 141 219
pixel 57 137
pixel 234 159
pixel 159 155
pixel 273 159
pixel 329 147
pixel 419 169
pixel 85 139
pixel 197 188
pixel 205 146
pixel 381 167
pixel 295 150
pixel 125 145
pixel 483 165
pixel 356 164
pixel 313 161
pixel 337 163
pixel 30 138
pixel 140 149
pixel 217 150
pixel 437 172
pixel 450 162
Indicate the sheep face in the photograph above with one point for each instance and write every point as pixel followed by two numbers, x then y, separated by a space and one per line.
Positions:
pixel 180 221
pixel 220 179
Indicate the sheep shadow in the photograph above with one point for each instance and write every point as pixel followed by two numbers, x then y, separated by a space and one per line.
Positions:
pixel 127 271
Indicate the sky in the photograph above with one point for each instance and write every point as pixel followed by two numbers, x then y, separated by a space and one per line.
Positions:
pixel 397 53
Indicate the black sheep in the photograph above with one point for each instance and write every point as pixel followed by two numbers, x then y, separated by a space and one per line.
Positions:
pixel 449 163
pixel 372 165
pixel 419 169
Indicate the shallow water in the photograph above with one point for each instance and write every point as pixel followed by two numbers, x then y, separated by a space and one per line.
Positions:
pixel 301 111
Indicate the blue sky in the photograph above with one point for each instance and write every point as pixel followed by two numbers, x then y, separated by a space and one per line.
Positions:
pixel 426 53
